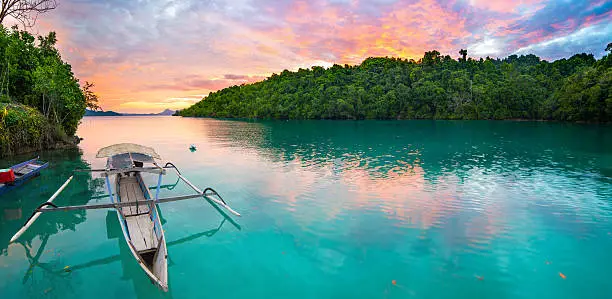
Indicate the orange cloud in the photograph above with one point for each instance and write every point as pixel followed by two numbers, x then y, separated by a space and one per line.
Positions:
pixel 317 30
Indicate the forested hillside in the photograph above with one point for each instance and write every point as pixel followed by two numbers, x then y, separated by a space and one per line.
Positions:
pixel 434 87
pixel 42 99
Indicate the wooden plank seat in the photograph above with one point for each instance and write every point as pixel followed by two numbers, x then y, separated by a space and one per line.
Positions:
pixel 138 219
pixel 141 232
pixel 25 169
pixel 130 191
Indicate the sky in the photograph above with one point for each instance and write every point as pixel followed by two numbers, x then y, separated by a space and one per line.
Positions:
pixel 149 55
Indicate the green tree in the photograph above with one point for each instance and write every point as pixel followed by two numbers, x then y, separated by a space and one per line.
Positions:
pixel 436 87
pixel 91 99
pixel 34 74
pixel 463 54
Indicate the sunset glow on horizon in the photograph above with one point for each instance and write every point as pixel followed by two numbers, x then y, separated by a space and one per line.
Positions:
pixel 149 55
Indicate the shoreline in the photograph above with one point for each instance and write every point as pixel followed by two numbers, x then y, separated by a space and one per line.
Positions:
pixel 60 145
pixel 402 119
pixel 23 129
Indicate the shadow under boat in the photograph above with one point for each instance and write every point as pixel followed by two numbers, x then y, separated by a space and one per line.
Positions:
pixel 113 230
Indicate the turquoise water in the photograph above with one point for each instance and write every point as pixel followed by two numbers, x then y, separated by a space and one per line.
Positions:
pixel 333 210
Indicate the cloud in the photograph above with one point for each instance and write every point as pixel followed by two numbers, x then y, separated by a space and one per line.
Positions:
pixel 592 40
pixel 149 51
pixel 505 6
pixel 488 47
pixel 189 83
pixel 557 19
pixel 235 77
pixel 155 106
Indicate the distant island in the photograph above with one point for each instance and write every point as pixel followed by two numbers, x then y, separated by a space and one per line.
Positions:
pixel 434 87
pixel 88 112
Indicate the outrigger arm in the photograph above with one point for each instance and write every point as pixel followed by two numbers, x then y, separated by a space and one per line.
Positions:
pixel 39 211
pixel 161 171
pixel 203 193
pixel 208 193
pixel 116 205
pixel 219 201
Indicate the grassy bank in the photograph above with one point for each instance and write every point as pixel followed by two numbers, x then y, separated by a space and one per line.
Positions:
pixel 24 129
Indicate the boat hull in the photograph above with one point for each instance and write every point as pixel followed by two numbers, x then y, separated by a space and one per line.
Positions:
pixel 33 166
pixel 153 261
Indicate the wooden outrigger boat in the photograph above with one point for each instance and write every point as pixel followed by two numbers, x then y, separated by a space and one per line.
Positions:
pixel 23 172
pixel 135 205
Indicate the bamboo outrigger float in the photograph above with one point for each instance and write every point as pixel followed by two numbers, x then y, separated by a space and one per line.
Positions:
pixel 135 205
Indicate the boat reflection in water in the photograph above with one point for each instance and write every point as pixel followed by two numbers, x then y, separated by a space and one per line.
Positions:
pixel 137 209
pixel 13 204
pixel 56 275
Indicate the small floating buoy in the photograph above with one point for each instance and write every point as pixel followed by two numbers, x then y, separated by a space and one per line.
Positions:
pixel 394 282
pixel 562 275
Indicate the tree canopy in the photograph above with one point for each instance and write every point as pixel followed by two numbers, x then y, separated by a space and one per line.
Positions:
pixel 435 87
pixel 32 73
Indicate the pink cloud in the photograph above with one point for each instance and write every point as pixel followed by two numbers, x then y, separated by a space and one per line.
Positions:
pixel 504 5
pixel 319 31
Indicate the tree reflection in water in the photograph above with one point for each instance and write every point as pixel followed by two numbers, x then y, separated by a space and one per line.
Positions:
pixel 18 205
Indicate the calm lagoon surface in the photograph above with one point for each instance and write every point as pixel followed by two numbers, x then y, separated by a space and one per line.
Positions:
pixel 332 209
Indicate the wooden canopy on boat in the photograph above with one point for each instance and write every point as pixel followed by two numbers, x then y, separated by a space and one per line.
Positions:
pixel 125 148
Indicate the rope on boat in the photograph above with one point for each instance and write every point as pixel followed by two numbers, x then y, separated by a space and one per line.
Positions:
pixel 214 193
pixel 203 192
pixel 173 166
pixel 44 204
